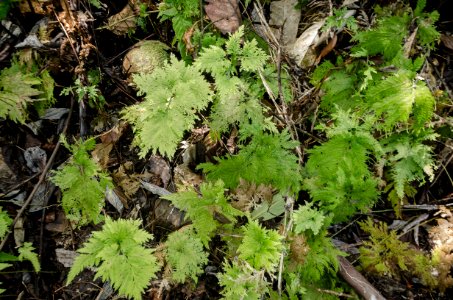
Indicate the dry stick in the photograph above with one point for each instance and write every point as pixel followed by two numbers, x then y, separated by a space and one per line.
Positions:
pixel 360 284
pixel 41 178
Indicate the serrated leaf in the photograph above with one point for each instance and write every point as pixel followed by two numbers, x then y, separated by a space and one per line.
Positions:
pixel 173 96
pixel 26 253
pixel 117 250
pixel 260 247
pixel 185 255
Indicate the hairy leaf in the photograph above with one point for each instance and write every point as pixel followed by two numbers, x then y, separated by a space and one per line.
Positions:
pixel 119 256
pixel 203 209
pixel 26 253
pixel 260 247
pixel 185 255
pixel 240 281
pixel 83 184
pixel 266 160
pixel 174 95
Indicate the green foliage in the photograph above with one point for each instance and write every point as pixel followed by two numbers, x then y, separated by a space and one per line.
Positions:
pixel 409 159
pixel 18 89
pixel 236 73
pixel 26 253
pixel 339 89
pixel 265 160
pixel 386 38
pixel 203 209
pixel 341 19
pixel 118 253
pixel 387 102
pixel 5 6
pixel 337 173
pixel 183 14
pixel 83 184
pixel 174 94
pixel 427 34
pixel 307 218
pixel 396 97
pixel 185 255
pixel 319 261
pixel 95 3
pixel 90 91
pixel 240 281
pixel 260 247
pixel 5 222
pixel 385 254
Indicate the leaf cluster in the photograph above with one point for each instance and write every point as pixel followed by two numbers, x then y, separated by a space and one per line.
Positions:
pixel 235 70
pixel 267 159
pixel 205 208
pixel 5 222
pixel 118 253
pixel 385 254
pixel 387 98
pixel 83 184
pixel 185 255
pixel 260 247
pixel 240 281
pixel 337 173
pixel 19 88
pixel 25 253
pixel 173 96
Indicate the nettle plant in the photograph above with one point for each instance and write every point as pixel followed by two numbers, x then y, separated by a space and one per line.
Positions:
pixel 381 116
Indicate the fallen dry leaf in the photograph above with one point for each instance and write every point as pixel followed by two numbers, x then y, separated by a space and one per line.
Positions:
pixel 224 14
pixel 285 17
pixel 124 21
pixel 303 43
pixel 326 50
pixel 447 40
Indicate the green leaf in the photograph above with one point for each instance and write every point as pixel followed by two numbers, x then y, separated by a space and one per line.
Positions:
pixel 260 247
pixel 203 209
pixel 174 95
pixel 17 91
pixel 242 282
pixel 5 222
pixel 185 255
pixel 409 159
pixel 26 253
pixel 337 173
pixel 266 160
pixel 83 184
pixel 118 253
pixel 307 218
pixel 386 38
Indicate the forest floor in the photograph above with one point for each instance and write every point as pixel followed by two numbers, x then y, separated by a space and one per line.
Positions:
pixel 41 33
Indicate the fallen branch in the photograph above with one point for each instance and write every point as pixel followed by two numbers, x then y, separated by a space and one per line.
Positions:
pixel 360 284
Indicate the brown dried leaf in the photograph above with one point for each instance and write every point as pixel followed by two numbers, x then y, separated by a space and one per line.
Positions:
pixel 224 14
pixel 442 252
pixel 285 17
pixel 187 39
pixel 40 7
pixel 329 47
pixel 248 195
pixel 124 21
pixel 447 40
pixel 159 166
pixel 128 183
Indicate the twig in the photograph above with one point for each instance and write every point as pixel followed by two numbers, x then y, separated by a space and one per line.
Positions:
pixel 360 284
pixel 42 177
